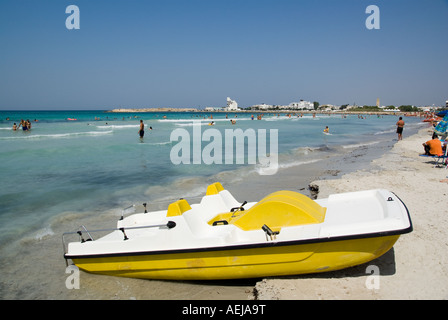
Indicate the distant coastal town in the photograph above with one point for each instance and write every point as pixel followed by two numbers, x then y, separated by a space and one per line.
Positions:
pixel 301 106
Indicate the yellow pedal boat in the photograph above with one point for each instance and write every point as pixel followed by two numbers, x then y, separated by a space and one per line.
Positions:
pixel 286 233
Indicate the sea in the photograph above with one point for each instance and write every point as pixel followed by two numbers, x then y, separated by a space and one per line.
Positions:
pixel 76 168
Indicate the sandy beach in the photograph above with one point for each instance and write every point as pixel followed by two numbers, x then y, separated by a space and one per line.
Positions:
pixel 417 266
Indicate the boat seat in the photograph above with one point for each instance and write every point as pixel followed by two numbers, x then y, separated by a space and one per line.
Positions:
pixel 178 208
pixel 228 200
pixel 216 201
pixel 214 188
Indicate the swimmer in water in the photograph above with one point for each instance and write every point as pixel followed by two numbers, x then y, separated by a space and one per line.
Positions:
pixel 141 131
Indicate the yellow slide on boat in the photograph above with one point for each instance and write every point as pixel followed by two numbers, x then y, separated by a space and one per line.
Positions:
pixel 281 209
pixel 277 210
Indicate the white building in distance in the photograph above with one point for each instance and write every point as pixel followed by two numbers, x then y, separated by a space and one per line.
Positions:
pixel 231 105
pixel 302 105
pixel 262 106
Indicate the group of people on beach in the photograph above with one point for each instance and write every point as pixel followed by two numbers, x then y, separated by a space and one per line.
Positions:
pixel 26 125
pixel 433 147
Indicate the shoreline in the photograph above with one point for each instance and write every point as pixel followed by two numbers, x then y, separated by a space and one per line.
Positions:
pixel 416 268
pixel 282 111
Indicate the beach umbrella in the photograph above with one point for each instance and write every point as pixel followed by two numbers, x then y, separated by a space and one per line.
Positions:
pixel 442 113
pixel 441 128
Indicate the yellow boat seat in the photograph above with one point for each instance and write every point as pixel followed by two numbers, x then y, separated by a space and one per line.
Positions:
pixel 214 188
pixel 178 208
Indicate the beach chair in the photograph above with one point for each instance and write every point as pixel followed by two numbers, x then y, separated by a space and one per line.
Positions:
pixel 438 159
pixel 442 160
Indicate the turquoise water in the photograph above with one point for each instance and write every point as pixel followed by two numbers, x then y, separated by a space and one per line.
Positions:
pixel 87 165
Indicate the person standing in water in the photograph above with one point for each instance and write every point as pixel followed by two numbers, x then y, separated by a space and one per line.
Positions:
pixel 141 131
pixel 400 126
pixel 23 124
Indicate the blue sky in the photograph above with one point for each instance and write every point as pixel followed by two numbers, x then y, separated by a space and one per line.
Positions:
pixel 191 53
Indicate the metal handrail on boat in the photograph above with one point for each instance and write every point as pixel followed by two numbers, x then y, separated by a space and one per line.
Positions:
pixel 128 210
pixel 169 225
pixel 131 208
pixel 125 211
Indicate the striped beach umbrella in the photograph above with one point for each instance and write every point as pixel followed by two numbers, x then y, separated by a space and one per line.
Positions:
pixel 441 128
